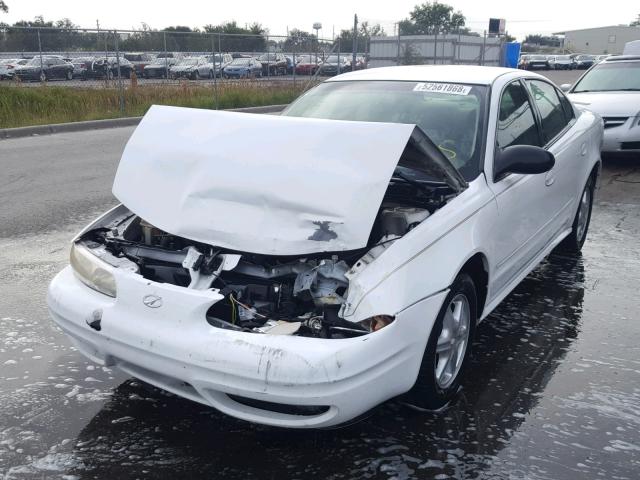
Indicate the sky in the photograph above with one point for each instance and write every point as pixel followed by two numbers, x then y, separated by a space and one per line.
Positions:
pixel 547 17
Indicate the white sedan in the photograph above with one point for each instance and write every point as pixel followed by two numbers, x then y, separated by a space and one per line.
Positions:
pixel 612 89
pixel 303 287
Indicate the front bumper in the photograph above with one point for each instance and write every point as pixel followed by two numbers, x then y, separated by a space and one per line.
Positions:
pixel 624 138
pixel 174 348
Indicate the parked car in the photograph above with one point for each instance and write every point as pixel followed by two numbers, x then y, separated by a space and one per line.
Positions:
pixel 273 64
pixel 159 67
pixel 290 64
pixel 600 58
pixel 107 67
pixel 243 68
pixel 79 65
pixel 288 288
pixel 561 62
pixel 193 68
pixel 139 61
pixel 522 62
pixel 8 65
pixel 582 62
pixel 537 62
pixel 307 64
pixel 612 90
pixel 221 61
pixel 48 68
pixel 335 65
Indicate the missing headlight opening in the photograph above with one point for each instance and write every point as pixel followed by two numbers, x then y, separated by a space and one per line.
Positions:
pixel 268 294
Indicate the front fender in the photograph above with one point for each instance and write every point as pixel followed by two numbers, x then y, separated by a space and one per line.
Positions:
pixel 426 260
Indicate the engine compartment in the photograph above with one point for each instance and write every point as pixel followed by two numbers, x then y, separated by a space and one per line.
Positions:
pixel 291 295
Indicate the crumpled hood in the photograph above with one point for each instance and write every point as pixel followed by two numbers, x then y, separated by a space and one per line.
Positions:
pixel 262 183
pixel 608 104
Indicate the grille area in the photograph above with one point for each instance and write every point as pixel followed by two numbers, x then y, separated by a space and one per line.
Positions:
pixel 610 122
pixel 302 410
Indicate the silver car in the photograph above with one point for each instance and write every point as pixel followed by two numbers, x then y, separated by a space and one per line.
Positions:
pixel 612 89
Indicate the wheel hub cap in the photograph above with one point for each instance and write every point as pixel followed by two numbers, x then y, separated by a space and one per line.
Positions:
pixel 453 340
pixel 583 213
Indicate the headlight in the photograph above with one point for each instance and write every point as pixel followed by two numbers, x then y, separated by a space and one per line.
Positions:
pixel 92 271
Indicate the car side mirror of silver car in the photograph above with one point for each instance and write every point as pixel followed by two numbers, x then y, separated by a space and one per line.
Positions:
pixel 565 87
pixel 525 159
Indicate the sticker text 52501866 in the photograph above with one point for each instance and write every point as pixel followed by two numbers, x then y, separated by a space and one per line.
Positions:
pixel 448 88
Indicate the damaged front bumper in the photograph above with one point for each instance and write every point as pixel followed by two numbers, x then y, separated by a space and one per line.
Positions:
pixel 280 380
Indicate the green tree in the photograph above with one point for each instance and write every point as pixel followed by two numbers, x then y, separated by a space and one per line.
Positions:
pixel 3 7
pixel 635 23
pixel 432 18
pixel 365 32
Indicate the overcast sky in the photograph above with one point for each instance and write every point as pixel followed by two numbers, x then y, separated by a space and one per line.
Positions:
pixel 540 16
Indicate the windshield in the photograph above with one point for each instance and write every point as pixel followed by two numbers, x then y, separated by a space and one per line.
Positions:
pixel 268 56
pixel 584 57
pixel 563 57
pixel 241 61
pixel 610 77
pixel 453 121
pixel 334 58
pixel 133 57
pixel 306 59
pixel 189 61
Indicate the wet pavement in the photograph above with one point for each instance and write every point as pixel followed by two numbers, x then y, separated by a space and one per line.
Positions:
pixel 552 392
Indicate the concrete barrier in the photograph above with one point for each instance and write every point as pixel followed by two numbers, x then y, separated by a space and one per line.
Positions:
pixel 108 123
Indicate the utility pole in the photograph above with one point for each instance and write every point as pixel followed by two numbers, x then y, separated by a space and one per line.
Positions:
pixel 355 41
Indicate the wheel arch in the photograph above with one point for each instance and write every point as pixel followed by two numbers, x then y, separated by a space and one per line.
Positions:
pixel 477 267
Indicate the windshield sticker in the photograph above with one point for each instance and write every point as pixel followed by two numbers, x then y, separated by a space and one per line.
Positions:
pixel 450 88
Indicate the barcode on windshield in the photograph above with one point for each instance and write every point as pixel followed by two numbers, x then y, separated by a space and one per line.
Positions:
pixel 449 88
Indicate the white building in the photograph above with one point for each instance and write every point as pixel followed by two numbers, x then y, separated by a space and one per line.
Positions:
pixel 600 40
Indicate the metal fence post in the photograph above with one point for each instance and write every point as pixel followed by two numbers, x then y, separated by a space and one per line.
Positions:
pixel 166 61
pixel 484 45
pixel 435 46
pixel 42 75
pixel 398 53
pixel 215 73
pixel 120 86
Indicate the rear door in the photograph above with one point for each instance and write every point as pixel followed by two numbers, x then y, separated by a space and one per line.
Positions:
pixel 568 148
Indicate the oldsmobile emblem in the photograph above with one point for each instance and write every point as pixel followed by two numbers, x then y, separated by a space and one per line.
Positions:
pixel 152 301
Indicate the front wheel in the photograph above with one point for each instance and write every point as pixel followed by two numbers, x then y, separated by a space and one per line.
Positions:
pixel 69 75
pixel 43 77
pixel 448 347
pixel 575 240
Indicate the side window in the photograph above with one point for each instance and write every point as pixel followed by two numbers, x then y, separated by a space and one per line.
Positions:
pixel 546 99
pixel 566 106
pixel 516 124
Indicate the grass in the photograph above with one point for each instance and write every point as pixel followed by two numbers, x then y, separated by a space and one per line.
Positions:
pixel 25 106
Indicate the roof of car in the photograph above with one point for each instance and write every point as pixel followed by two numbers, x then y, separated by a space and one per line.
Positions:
pixel 435 73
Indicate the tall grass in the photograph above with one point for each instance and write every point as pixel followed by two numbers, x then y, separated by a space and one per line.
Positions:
pixel 23 106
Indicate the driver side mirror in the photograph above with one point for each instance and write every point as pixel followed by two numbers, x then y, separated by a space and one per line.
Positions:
pixel 565 87
pixel 525 159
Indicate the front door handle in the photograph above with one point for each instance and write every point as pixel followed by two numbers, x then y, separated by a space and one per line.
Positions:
pixel 583 149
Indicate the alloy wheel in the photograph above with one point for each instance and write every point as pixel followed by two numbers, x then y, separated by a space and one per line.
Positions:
pixel 453 341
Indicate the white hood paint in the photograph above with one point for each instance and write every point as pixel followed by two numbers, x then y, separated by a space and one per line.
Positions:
pixel 609 104
pixel 259 183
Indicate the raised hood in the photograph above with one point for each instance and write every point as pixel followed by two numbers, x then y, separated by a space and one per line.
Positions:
pixel 266 184
pixel 608 104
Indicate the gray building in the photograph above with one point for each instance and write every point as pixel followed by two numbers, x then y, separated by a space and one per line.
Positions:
pixel 600 40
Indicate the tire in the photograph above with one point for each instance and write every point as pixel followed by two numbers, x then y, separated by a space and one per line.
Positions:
pixel 69 75
pixel 109 74
pixel 575 240
pixel 196 75
pixel 210 74
pixel 439 378
pixel 43 76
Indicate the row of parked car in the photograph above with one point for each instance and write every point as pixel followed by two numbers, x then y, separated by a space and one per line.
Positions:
pixel 173 65
pixel 573 61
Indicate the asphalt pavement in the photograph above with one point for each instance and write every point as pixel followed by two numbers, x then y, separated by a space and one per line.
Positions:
pixel 552 393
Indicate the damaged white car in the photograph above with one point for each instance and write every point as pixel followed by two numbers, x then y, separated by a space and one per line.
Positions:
pixel 303 287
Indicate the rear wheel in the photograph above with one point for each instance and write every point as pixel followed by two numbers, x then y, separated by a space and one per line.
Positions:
pixel 448 347
pixel 69 75
pixel 43 77
pixel 575 240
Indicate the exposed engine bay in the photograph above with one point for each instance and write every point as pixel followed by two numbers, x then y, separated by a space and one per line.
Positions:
pixel 271 294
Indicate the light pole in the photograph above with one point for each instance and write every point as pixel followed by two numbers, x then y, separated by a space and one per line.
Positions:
pixel 317 26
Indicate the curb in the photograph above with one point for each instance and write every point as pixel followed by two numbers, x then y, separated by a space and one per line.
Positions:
pixel 6 133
